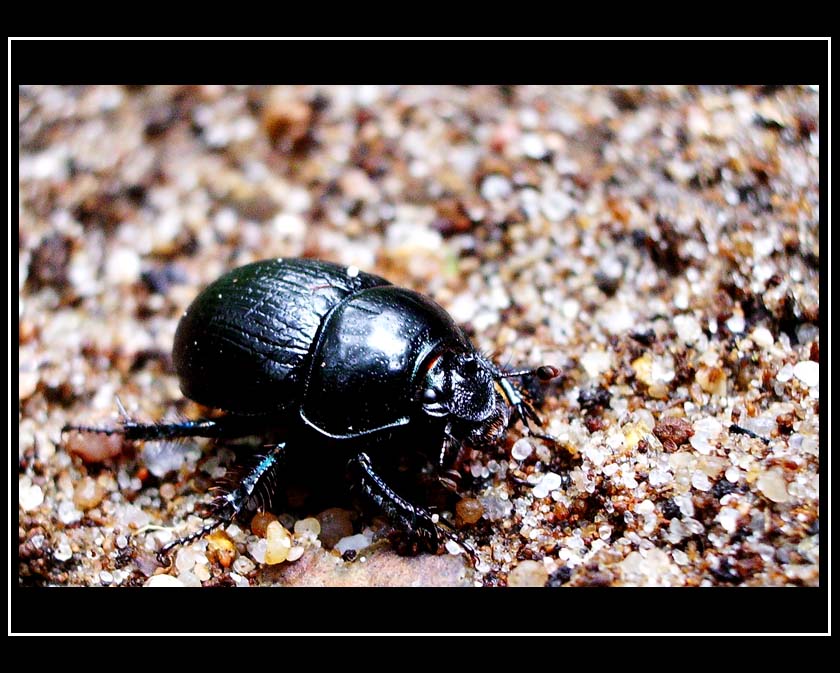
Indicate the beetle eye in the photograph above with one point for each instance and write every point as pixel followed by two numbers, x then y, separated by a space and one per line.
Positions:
pixel 470 368
pixel 430 395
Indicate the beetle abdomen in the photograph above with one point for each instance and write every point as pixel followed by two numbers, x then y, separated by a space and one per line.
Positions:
pixel 243 345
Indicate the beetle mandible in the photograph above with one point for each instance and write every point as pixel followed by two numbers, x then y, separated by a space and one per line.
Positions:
pixel 347 362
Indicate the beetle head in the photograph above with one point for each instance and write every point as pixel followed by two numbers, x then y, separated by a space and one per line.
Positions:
pixel 461 386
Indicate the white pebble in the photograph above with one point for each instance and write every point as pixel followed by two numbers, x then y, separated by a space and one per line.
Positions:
pixel 243 565
pixel 645 507
pixel 728 518
pixel 257 550
pixel 808 372
pixel 688 329
pixel 239 580
pixel 496 187
pixel 522 449
pixel 453 547
pixel 288 225
pixel 105 577
pixel 122 266
pixel 30 497
pixel 785 374
pixel 736 323
pixel 202 573
pixel 295 553
pixel 533 146
pixel 556 205
pixel 62 551
pixel 700 481
pixel 762 338
pixel 772 484
pixel 163 581
pixel 595 362
pixel 355 542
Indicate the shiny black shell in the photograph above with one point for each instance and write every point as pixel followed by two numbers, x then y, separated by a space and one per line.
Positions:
pixel 344 351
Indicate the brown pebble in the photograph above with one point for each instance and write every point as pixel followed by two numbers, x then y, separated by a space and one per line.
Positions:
pixel 287 122
pixel 468 511
pixel 94 448
pixel 673 432
pixel 785 422
pixel 336 523
pixel 259 524
pixel 221 548
pixel 87 494
pixel 712 380
pixel 815 351
pixel 48 267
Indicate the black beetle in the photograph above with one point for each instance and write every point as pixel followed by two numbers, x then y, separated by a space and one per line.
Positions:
pixel 346 362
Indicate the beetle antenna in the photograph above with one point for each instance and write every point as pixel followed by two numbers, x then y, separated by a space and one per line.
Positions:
pixel 543 372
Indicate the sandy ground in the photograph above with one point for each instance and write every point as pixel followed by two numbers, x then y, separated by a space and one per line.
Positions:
pixel 659 245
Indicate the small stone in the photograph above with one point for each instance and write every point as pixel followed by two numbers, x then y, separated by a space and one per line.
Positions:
pixel 528 574
pixel 287 225
pixel 728 518
pixel 278 543
pixel 533 146
pixel 185 559
pixel 161 458
pixel 468 511
pixel 63 552
pixel 308 527
pixel 773 485
pixel 712 380
pixel 785 374
pixel 336 524
pixel 122 266
pixel 260 522
pixel 548 483
pixel 222 547
pixel 94 447
pixel 354 542
pixel 762 337
pixel 688 328
pixel 202 573
pixel 88 494
pixel 295 553
pixel 243 565
pixel 495 507
pixel 496 187
pixel 673 432
pixel 163 581
pixel 808 372
pixel 700 481
pixel 30 497
pixel 27 383
pixel 594 362
pixel 257 550
pixel 736 323
pixel 521 449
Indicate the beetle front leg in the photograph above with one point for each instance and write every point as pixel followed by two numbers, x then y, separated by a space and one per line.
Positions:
pixel 523 408
pixel 415 521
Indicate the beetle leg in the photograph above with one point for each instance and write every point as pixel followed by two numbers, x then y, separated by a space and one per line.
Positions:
pixel 230 502
pixel 414 520
pixel 521 406
pixel 229 426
